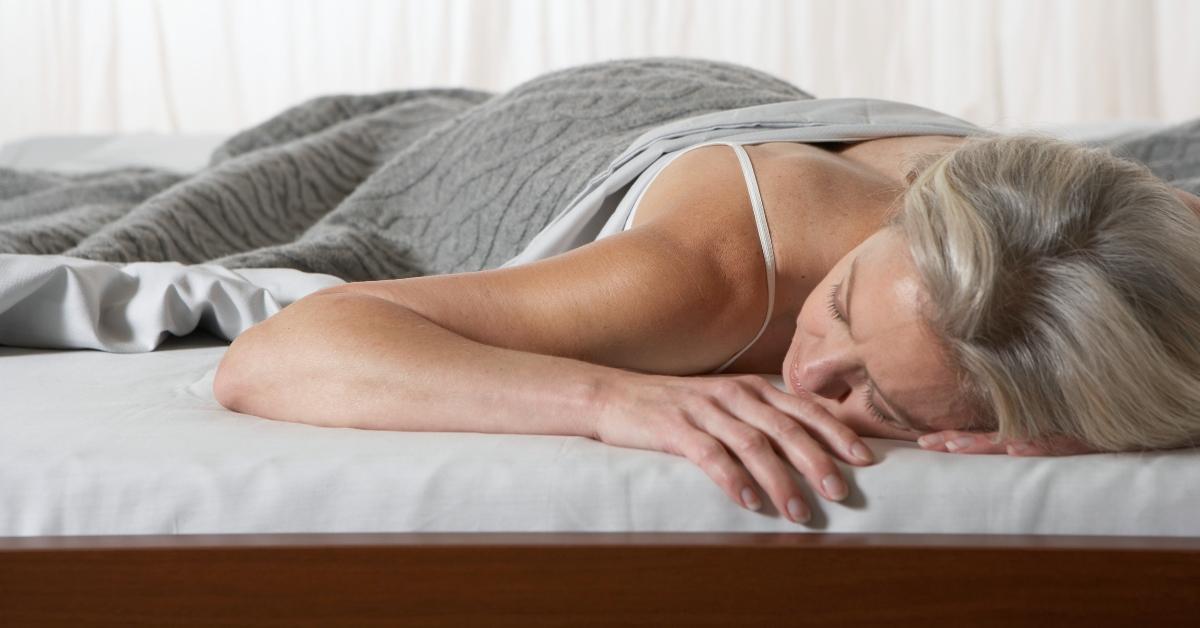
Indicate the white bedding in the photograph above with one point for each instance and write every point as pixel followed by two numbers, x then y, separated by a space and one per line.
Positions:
pixel 86 153
pixel 103 443
pixel 108 443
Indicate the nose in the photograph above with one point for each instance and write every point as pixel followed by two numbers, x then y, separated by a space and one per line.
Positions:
pixel 827 375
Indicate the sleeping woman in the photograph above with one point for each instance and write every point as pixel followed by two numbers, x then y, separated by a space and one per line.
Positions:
pixel 1011 294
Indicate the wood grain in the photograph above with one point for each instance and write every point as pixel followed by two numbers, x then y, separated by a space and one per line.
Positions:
pixel 640 579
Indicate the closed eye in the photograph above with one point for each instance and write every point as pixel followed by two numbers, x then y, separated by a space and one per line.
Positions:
pixel 868 393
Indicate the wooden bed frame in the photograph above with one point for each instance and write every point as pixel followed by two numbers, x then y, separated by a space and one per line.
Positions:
pixel 588 579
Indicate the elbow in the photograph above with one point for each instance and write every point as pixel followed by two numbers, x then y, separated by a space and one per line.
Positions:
pixel 228 383
pixel 235 373
pixel 258 371
pixel 241 373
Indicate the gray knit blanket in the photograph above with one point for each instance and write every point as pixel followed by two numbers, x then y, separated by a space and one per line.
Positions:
pixel 410 182
pixel 367 187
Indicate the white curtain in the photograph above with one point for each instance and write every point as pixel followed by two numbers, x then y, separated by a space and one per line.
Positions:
pixel 102 66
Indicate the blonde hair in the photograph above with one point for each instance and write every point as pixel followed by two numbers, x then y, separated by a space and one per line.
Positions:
pixel 1063 285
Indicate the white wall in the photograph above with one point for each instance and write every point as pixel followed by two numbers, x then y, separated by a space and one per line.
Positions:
pixel 70 66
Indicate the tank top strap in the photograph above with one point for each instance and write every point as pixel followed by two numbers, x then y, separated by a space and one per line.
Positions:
pixel 764 238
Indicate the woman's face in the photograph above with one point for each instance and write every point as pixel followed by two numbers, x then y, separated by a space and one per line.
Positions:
pixel 889 356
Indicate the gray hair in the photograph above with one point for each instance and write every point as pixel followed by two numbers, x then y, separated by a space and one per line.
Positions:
pixel 1063 286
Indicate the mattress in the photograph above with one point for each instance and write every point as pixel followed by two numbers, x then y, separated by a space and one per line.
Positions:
pixel 93 442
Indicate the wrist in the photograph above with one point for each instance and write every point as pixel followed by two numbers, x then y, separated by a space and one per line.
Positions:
pixel 603 390
pixel 612 392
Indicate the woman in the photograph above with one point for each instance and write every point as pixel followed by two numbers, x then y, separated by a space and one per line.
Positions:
pixel 1001 289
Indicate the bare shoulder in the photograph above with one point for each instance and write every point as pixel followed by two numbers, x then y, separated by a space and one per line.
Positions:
pixel 707 178
pixel 819 203
pixel 817 206
pixel 678 293
pixel 647 299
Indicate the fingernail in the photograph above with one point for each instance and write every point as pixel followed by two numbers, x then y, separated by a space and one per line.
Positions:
pixel 750 499
pixel 860 451
pixel 930 440
pixel 962 442
pixel 798 510
pixel 834 487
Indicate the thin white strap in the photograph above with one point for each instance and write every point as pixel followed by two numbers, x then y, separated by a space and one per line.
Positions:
pixel 764 237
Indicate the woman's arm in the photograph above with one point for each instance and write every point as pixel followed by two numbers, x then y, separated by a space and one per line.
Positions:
pixel 352 360
pixel 540 348
pixel 347 358
pixel 343 359
pixel 479 351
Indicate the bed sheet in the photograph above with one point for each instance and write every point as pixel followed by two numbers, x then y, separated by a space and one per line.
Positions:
pixel 189 152
pixel 183 152
pixel 103 443
pixel 107 443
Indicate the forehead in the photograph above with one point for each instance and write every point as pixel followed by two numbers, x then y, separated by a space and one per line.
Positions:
pixel 903 358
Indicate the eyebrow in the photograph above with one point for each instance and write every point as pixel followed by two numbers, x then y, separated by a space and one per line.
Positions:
pixel 899 416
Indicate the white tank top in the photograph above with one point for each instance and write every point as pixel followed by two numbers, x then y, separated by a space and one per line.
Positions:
pixel 760 218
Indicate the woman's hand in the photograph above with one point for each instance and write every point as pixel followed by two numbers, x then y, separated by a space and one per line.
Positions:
pixel 710 420
pixel 960 442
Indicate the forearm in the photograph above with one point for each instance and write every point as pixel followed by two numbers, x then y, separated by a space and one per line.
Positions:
pixel 351 360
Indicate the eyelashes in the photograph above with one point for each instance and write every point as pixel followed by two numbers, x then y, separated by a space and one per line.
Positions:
pixel 867 391
pixel 833 302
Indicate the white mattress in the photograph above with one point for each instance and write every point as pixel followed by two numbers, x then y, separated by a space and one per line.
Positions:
pixel 106 443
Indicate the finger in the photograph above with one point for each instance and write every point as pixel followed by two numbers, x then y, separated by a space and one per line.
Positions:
pixel 756 452
pixel 834 434
pixel 1024 448
pixel 794 439
pixel 796 443
pixel 711 456
pixel 961 442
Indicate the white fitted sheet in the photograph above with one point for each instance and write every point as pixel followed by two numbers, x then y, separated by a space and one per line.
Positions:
pixel 105 443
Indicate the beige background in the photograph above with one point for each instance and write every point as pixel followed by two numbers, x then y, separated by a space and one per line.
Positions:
pixel 101 66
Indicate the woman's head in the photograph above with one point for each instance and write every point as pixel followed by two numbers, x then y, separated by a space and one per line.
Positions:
pixel 1026 285
pixel 862 348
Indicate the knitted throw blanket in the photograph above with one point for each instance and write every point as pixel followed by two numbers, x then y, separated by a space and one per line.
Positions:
pixel 390 185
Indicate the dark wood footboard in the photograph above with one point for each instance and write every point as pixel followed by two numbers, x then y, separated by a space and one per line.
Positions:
pixel 585 579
